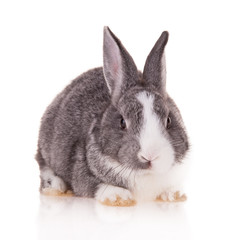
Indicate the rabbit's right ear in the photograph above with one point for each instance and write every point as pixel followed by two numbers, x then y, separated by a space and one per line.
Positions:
pixel 119 68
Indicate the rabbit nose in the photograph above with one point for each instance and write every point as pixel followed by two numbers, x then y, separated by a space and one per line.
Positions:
pixel 145 160
pixel 147 157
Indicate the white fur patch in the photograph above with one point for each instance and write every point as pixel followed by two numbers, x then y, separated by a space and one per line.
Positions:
pixel 149 185
pixel 162 178
pixel 154 145
pixel 55 182
pixel 110 192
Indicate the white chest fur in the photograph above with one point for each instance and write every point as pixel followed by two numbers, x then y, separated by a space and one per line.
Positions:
pixel 149 185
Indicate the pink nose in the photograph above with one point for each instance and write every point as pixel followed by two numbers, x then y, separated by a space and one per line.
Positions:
pixel 147 157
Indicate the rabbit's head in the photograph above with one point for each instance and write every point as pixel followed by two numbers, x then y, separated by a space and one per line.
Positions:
pixel 142 128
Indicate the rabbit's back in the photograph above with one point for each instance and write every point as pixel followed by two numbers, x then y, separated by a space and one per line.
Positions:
pixel 67 120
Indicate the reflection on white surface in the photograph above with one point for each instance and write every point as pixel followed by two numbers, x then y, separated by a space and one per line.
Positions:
pixel 77 218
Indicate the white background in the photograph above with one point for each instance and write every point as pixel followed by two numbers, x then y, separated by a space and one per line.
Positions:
pixel 45 44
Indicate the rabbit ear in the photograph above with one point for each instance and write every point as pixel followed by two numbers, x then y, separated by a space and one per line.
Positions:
pixel 154 73
pixel 119 68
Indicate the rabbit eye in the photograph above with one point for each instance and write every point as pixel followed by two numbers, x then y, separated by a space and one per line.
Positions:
pixel 123 124
pixel 169 123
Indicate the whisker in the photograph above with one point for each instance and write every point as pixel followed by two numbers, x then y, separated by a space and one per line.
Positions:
pixel 111 170
pixel 104 189
pixel 132 170
pixel 118 174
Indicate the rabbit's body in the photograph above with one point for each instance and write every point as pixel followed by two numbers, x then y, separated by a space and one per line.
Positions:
pixel 66 123
pixel 114 132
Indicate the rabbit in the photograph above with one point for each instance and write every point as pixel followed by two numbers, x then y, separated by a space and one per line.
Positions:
pixel 113 133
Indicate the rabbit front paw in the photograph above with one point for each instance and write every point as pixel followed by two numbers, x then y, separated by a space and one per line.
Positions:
pixel 171 197
pixel 114 196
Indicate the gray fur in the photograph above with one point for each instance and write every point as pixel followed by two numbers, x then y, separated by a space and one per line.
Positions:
pixel 80 130
pixel 155 68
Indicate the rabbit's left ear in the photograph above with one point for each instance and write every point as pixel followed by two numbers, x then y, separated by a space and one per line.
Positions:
pixel 119 68
pixel 154 73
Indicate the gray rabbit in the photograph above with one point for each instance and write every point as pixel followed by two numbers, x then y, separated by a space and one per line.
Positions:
pixel 114 133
